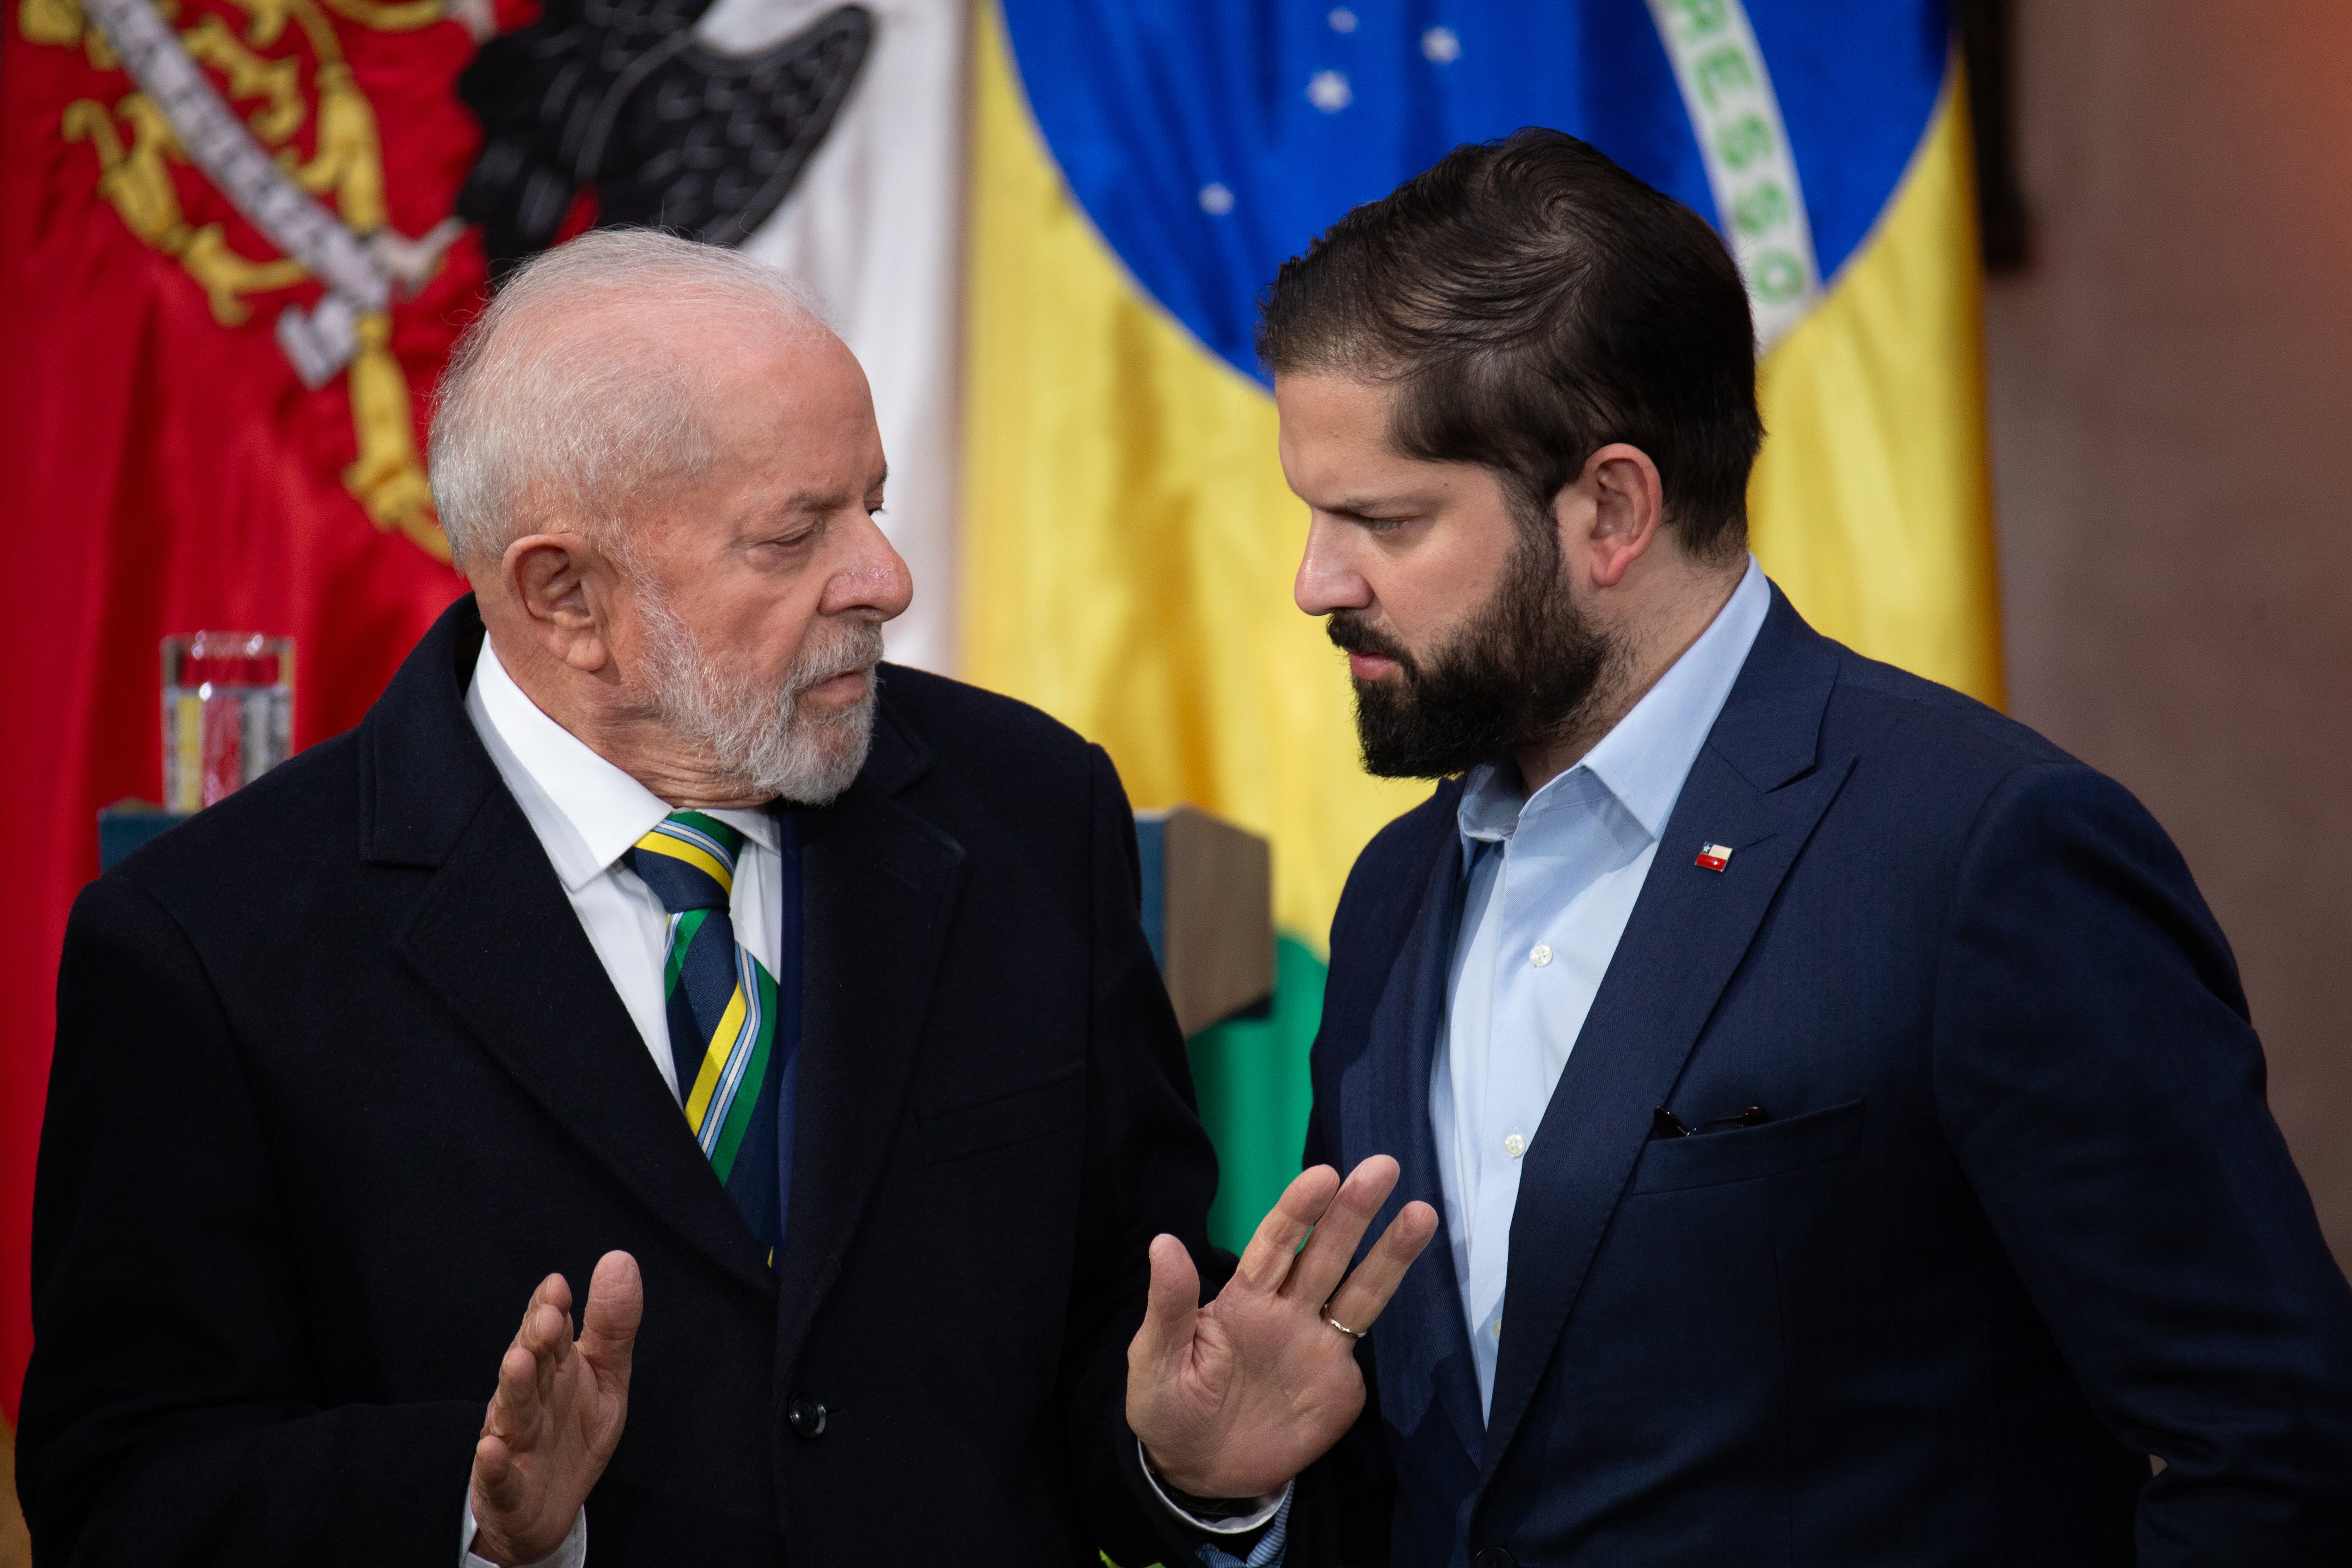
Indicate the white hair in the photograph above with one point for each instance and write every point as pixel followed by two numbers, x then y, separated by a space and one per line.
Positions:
pixel 532 420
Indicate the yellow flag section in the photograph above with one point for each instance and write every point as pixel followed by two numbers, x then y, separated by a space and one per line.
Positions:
pixel 1872 502
pixel 1127 539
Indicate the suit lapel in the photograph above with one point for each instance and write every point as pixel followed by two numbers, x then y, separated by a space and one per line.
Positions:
pixel 878 887
pixel 1422 1348
pixel 497 940
pixel 1759 787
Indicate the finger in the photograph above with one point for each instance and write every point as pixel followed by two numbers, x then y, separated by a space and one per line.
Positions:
pixel 526 1371
pixel 554 1296
pixel 547 1305
pixel 540 1296
pixel 1266 1262
pixel 497 1486
pixel 1366 1294
pixel 1171 1315
pixel 608 1328
pixel 1332 1248
pixel 515 1406
pixel 554 1291
pixel 546 1338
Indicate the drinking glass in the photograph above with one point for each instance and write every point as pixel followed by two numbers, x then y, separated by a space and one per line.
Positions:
pixel 228 713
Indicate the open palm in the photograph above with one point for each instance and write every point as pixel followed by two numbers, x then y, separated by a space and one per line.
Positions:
pixel 1234 1398
pixel 557 1415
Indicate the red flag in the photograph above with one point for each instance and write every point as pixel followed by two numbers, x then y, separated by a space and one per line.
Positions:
pixel 166 467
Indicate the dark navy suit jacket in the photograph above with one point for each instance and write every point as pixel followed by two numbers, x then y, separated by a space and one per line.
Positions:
pixel 2018 1220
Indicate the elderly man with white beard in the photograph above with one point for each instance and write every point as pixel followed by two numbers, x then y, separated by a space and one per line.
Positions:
pixel 649 929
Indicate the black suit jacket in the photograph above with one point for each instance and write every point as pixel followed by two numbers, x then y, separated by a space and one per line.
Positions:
pixel 339 1078
pixel 2019 1218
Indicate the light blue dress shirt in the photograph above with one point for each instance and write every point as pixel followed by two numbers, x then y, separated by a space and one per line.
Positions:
pixel 1552 881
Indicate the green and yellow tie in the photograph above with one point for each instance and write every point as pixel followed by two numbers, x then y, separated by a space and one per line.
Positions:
pixel 722 1008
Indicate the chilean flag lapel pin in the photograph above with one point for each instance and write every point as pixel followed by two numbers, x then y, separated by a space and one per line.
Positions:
pixel 1714 857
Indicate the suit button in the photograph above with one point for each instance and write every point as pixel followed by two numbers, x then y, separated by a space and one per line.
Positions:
pixel 1494 1557
pixel 804 1413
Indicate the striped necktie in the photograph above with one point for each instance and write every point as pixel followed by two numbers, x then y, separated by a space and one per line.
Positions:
pixel 724 1012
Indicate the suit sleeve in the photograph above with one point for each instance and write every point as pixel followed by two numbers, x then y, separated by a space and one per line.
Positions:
pixel 1148 1170
pixel 169 1413
pixel 2102 1089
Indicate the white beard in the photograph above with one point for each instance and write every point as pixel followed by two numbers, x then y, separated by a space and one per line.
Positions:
pixel 764 745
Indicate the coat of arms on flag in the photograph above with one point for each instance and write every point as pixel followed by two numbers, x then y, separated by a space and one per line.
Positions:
pixel 280 141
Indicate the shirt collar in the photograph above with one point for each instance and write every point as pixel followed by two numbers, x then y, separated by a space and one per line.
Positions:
pixel 600 810
pixel 1644 761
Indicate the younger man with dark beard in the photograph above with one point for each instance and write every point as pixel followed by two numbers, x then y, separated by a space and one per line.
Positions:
pixel 1847 1130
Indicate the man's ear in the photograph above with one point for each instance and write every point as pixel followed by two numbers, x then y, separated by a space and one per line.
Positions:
pixel 1628 507
pixel 558 581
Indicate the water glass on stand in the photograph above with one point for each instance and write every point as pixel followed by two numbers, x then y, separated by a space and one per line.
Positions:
pixel 228 713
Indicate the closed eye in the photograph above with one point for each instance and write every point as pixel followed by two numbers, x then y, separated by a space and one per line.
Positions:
pixel 793 539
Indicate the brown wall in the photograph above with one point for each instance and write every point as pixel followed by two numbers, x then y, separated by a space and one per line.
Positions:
pixel 2172 416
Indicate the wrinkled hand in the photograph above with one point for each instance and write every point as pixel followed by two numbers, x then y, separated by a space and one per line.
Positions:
pixel 1234 1398
pixel 557 1415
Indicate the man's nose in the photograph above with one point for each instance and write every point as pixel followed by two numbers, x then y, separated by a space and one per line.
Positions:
pixel 1326 581
pixel 875 581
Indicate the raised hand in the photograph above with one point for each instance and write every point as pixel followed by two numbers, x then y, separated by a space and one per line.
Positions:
pixel 557 1415
pixel 1234 1398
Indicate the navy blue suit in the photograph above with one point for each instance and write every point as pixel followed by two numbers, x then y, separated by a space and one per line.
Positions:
pixel 2020 1217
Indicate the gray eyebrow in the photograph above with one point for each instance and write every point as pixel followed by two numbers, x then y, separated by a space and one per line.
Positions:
pixel 831 501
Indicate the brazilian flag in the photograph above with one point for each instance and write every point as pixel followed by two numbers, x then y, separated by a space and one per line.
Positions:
pixel 1139 171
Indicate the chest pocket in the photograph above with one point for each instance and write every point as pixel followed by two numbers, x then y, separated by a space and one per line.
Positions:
pixel 1048 1105
pixel 1748 1153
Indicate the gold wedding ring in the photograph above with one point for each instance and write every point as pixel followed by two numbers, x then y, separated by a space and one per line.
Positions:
pixel 1351 1333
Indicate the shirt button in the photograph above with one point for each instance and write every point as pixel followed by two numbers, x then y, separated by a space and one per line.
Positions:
pixel 1515 1145
pixel 1541 956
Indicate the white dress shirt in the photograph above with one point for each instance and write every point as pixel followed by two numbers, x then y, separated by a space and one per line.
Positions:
pixel 587 813
pixel 1552 881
